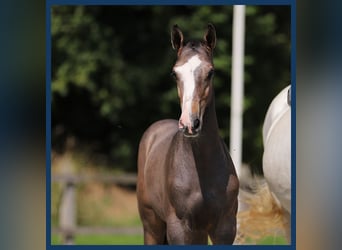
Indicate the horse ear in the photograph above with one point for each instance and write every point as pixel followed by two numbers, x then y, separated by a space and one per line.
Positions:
pixel 210 36
pixel 176 37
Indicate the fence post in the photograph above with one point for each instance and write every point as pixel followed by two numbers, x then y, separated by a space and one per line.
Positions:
pixel 67 216
pixel 67 209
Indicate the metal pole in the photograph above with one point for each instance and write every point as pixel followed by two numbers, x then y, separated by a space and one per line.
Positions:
pixel 237 86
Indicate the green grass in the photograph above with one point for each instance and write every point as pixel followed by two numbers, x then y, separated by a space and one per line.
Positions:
pixel 138 240
pixel 102 240
pixel 269 240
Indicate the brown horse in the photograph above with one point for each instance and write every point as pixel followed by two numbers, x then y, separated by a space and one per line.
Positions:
pixel 187 186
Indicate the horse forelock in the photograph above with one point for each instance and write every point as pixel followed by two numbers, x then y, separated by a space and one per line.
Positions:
pixel 193 47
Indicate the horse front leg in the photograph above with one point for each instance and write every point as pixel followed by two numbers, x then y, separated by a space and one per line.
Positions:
pixel 225 231
pixel 154 227
pixel 151 238
pixel 180 232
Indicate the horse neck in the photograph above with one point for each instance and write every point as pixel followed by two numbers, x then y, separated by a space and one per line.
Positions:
pixel 209 139
pixel 208 149
pixel 210 126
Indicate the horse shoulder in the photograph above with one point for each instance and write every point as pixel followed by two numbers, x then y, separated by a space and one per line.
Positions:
pixel 151 161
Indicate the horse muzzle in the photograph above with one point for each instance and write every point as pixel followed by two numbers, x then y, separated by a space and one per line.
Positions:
pixel 191 128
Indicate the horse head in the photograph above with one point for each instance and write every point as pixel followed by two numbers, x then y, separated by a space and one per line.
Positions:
pixel 193 72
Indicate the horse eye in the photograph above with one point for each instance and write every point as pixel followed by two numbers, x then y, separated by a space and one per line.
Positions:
pixel 211 73
pixel 173 74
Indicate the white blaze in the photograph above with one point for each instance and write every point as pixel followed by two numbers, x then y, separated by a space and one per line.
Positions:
pixel 186 74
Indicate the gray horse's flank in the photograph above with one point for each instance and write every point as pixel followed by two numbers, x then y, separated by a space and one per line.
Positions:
pixel 187 185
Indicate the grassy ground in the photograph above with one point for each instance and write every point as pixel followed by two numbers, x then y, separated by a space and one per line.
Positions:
pixel 270 240
pixel 102 240
pixel 138 240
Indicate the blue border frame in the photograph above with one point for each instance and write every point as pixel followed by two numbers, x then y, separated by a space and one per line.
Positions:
pixel 293 123
pixel 50 3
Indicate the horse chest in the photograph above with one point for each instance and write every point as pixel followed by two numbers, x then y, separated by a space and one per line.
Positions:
pixel 196 200
pixel 196 190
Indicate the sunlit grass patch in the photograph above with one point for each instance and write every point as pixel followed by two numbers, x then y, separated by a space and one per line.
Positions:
pixel 268 240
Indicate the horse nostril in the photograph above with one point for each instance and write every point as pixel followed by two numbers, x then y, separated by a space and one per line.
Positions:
pixel 196 124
